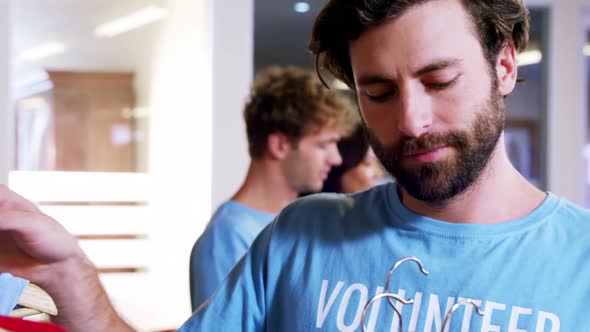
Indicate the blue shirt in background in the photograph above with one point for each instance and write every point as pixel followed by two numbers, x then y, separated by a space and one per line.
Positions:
pixel 325 256
pixel 226 239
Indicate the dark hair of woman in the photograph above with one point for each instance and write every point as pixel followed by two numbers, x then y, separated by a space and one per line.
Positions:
pixel 353 150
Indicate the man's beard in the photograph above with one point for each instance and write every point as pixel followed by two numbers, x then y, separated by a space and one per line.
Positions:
pixel 439 181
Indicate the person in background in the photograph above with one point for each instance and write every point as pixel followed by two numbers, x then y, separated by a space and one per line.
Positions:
pixel 293 124
pixel 360 170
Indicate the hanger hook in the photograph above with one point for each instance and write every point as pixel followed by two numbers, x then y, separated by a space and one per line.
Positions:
pixel 389 296
pixel 378 297
pixel 392 270
pixel 454 308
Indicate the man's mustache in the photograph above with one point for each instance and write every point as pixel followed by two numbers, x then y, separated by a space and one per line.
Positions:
pixel 433 141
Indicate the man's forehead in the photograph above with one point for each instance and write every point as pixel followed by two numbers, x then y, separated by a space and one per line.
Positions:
pixel 327 130
pixel 427 34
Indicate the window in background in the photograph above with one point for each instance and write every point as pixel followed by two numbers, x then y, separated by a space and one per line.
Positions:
pixel 526 107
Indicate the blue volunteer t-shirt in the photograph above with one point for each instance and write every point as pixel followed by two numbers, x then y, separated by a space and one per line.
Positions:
pixel 226 239
pixel 325 256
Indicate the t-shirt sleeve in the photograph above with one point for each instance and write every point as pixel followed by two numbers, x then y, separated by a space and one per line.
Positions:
pixel 212 258
pixel 239 303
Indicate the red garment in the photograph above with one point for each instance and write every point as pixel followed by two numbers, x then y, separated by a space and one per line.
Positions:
pixel 13 324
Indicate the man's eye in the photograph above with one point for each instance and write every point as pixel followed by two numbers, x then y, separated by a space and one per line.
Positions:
pixel 442 85
pixel 379 97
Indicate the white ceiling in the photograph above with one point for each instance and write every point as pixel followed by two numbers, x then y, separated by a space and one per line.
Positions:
pixel 280 34
pixel 72 22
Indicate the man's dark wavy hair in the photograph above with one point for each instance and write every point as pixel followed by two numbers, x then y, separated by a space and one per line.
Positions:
pixel 496 22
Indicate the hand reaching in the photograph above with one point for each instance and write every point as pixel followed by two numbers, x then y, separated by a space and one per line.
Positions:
pixel 30 241
pixel 36 247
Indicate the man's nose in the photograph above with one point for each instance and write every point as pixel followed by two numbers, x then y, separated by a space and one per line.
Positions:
pixel 335 159
pixel 415 114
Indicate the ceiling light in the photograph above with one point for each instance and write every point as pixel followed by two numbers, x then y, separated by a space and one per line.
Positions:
pixel 129 22
pixel 41 51
pixel 301 7
pixel 529 58
pixel 587 50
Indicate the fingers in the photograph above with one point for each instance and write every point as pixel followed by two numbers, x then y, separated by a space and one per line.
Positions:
pixel 13 201
pixel 15 261
pixel 25 221
pixel 37 235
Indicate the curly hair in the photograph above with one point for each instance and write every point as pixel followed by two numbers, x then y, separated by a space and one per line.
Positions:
pixel 496 22
pixel 294 102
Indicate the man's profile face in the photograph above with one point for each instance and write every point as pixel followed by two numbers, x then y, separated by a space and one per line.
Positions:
pixel 429 99
pixel 308 162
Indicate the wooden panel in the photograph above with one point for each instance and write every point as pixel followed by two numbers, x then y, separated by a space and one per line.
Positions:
pixel 70 110
pixel 91 129
pixel 89 109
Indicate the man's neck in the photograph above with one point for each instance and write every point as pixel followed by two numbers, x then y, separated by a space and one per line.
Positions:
pixel 265 188
pixel 500 194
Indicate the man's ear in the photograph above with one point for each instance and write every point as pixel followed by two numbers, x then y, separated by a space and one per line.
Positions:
pixel 278 145
pixel 506 69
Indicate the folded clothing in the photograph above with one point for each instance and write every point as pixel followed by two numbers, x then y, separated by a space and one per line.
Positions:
pixel 11 289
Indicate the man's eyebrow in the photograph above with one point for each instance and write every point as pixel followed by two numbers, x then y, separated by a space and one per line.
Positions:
pixel 442 64
pixel 373 79
pixel 438 65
